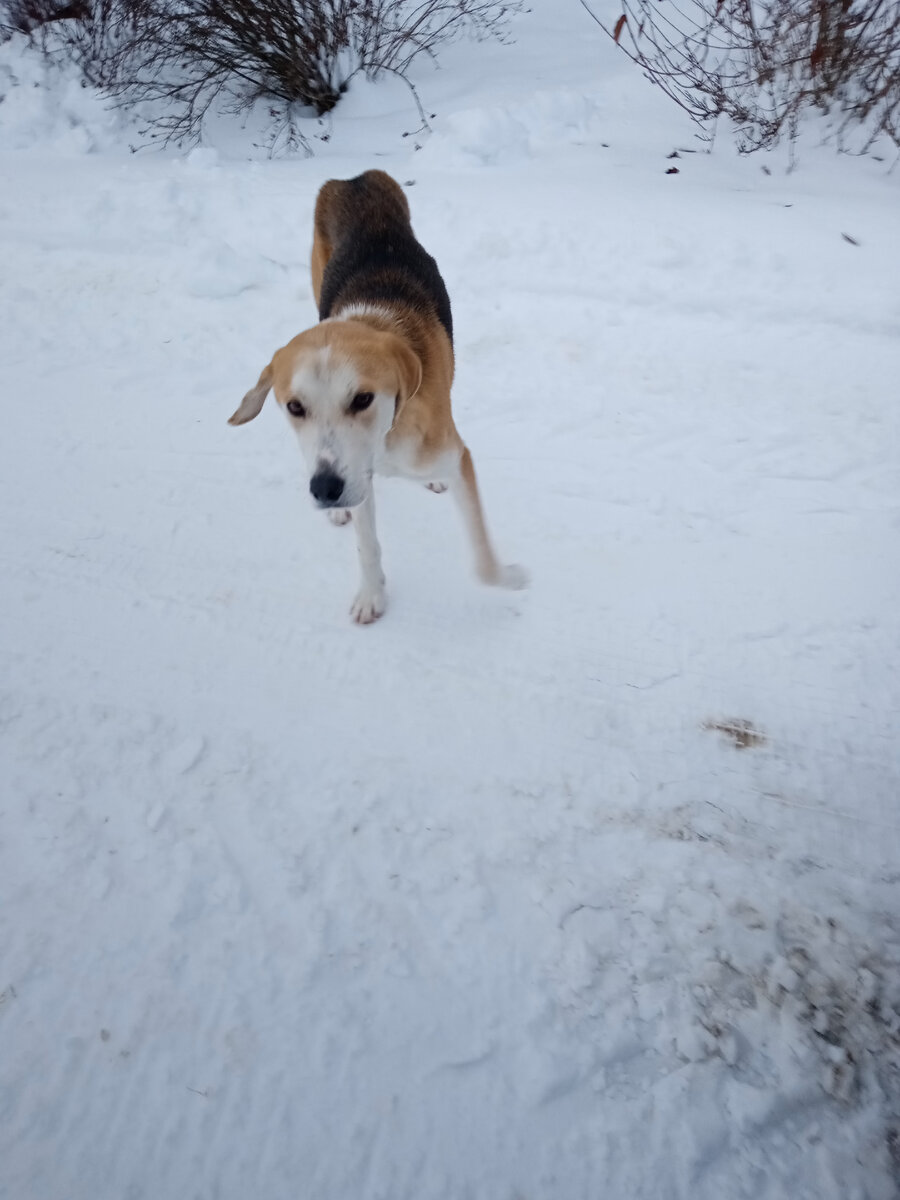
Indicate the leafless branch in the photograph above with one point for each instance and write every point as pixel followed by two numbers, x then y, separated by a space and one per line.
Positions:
pixel 763 63
pixel 180 58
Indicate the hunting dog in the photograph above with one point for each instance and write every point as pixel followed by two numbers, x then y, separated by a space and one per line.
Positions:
pixel 368 389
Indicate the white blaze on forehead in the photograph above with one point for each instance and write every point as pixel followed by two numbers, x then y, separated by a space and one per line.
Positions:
pixel 324 382
pixel 325 379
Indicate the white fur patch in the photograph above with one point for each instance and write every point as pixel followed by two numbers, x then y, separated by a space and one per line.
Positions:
pixel 362 309
pixel 331 437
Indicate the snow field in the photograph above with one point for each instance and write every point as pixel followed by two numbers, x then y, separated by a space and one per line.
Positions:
pixel 476 903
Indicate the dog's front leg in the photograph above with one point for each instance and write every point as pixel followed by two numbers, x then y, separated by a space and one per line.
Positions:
pixel 370 600
pixel 488 568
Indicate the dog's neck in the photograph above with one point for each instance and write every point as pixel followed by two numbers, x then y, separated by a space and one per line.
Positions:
pixel 379 316
pixel 385 317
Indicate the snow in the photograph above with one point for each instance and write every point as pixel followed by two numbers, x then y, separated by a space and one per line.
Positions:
pixel 49 107
pixel 501 897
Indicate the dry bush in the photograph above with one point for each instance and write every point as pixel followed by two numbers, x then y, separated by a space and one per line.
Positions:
pixel 25 16
pixel 99 36
pixel 763 63
pixel 183 57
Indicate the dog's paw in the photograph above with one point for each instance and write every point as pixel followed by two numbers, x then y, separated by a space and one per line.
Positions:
pixel 513 577
pixel 437 488
pixel 368 606
pixel 340 516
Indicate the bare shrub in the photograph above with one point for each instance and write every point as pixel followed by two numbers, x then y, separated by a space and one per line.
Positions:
pixel 99 36
pixel 763 63
pixel 183 57
pixel 25 16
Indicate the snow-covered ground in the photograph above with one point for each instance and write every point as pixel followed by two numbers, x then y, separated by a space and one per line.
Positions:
pixel 477 903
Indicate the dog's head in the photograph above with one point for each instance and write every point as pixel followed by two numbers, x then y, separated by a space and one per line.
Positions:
pixel 340 385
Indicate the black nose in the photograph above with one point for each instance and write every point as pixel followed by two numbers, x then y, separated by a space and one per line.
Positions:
pixel 326 487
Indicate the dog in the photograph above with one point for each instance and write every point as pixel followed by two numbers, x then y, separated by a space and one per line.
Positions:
pixel 367 389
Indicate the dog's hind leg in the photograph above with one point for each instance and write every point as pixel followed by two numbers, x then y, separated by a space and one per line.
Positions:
pixel 487 566
pixel 322 249
pixel 370 601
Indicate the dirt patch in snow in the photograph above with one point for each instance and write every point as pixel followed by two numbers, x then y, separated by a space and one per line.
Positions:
pixel 741 733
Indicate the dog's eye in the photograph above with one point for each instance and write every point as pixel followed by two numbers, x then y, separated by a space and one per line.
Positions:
pixel 361 401
pixel 295 408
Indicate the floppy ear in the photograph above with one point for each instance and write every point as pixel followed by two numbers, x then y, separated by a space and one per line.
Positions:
pixel 253 401
pixel 409 370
